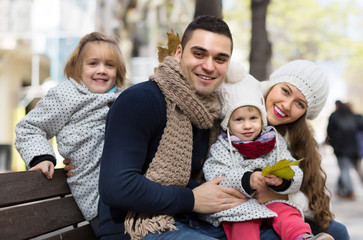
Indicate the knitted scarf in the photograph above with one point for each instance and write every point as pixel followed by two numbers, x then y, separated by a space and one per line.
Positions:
pixel 264 143
pixel 252 150
pixel 172 162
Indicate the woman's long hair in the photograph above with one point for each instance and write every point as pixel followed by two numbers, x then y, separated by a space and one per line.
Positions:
pixel 302 144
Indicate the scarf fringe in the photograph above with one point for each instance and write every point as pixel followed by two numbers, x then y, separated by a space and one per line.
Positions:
pixel 147 223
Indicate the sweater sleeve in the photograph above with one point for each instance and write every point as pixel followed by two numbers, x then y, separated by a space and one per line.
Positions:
pixel 134 121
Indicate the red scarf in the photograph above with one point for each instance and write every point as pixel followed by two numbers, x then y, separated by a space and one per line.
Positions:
pixel 252 150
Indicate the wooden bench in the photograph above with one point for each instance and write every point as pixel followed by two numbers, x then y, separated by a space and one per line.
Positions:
pixel 32 206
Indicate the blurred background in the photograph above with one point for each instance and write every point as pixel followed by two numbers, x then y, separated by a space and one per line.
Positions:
pixel 37 37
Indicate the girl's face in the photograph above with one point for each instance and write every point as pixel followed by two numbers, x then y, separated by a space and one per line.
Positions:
pixel 98 67
pixel 245 123
pixel 285 104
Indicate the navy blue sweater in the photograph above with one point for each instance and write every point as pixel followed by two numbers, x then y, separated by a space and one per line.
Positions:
pixel 134 127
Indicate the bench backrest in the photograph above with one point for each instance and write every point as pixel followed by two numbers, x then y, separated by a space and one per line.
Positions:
pixel 31 206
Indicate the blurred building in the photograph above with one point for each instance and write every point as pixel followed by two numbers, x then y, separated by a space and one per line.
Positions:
pixel 36 39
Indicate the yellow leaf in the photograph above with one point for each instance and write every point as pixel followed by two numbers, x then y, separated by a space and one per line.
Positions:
pixel 281 169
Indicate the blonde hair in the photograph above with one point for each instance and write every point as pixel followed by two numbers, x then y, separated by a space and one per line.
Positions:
pixel 302 144
pixel 73 68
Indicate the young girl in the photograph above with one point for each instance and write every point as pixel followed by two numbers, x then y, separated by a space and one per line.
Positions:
pixel 244 148
pixel 297 91
pixel 75 113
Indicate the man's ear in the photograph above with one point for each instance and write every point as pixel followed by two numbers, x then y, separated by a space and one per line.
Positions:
pixel 178 53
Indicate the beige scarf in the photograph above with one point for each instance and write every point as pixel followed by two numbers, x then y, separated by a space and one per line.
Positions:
pixel 172 162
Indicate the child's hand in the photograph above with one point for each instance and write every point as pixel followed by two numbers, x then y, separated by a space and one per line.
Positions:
pixel 272 180
pixel 47 168
pixel 257 180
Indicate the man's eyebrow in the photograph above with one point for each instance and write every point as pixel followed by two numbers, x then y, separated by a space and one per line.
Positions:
pixel 226 55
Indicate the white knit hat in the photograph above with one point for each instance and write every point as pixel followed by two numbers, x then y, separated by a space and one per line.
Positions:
pixel 308 77
pixel 240 89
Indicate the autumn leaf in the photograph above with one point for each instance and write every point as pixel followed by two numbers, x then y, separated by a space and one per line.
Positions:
pixel 173 42
pixel 163 52
pixel 281 169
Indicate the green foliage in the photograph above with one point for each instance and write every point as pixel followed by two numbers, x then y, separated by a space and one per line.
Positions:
pixel 317 30
pixel 298 29
pixel 307 29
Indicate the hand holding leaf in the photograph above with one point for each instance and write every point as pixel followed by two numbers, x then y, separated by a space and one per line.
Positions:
pixel 281 169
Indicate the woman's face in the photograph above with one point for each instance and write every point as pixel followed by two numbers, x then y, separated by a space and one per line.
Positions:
pixel 285 104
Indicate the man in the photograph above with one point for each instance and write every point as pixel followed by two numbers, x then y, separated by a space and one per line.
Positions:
pixel 343 126
pixel 157 137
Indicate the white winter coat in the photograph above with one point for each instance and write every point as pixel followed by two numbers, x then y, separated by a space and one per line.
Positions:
pixel 77 118
pixel 221 163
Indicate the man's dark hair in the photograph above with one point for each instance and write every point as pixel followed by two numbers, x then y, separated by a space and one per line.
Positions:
pixel 207 23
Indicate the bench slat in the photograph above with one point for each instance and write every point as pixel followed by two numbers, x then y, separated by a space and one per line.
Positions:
pixel 31 220
pixel 83 232
pixel 22 187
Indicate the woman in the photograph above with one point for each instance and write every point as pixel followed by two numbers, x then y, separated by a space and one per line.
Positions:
pixel 295 92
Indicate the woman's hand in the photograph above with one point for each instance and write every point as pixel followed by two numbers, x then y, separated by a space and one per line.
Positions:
pixel 265 194
pixel 68 166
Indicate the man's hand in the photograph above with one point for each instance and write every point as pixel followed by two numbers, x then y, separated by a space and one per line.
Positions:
pixel 68 166
pixel 46 167
pixel 211 197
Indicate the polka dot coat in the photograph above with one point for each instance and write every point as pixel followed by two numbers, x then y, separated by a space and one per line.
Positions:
pixel 232 165
pixel 76 117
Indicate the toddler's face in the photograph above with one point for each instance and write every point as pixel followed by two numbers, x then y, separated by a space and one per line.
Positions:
pixel 245 123
pixel 98 67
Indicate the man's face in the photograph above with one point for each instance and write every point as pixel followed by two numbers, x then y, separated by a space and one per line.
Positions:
pixel 205 60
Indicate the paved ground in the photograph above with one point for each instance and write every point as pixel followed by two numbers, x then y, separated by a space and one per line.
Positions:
pixel 348 212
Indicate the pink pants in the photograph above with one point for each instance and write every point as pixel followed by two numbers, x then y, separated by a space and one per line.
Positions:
pixel 288 224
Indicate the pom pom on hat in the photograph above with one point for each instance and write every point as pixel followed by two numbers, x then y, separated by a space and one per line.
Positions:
pixel 240 89
pixel 236 73
pixel 306 76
